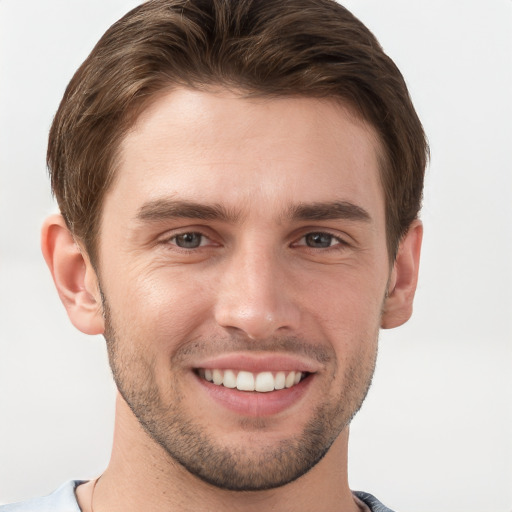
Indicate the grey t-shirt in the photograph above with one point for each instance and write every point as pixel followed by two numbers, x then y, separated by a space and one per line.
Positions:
pixel 64 500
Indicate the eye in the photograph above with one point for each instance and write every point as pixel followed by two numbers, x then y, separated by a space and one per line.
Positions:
pixel 319 240
pixel 189 240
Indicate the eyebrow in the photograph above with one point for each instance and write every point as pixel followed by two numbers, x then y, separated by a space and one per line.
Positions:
pixel 329 211
pixel 167 209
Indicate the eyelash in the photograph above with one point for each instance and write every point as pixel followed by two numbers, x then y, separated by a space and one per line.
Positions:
pixel 172 240
pixel 340 243
pixel 333 238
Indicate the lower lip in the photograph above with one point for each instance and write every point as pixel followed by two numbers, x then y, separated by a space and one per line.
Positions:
pixel 253 403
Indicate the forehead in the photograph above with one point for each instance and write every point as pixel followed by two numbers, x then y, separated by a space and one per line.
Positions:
pixel 253 154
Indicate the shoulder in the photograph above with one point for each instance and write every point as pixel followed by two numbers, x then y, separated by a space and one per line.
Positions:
pixel 62 500
pixel 371 501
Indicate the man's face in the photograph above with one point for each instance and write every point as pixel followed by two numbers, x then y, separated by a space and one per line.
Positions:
pixel 243 242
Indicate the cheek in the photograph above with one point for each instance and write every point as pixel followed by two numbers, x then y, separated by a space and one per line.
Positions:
pixel 345 298
pixel 347 314
pixel 160 308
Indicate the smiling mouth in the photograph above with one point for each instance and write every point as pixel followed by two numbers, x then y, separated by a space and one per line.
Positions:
pixel 262 382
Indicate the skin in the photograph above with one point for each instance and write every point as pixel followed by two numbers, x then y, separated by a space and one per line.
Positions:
pixel 258 287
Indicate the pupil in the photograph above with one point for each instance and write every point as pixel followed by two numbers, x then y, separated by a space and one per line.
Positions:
pixel 319 240
pixel 188 240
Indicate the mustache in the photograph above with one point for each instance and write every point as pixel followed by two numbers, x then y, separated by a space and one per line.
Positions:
pixel 239 343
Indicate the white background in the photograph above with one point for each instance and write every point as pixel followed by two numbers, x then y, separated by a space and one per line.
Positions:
pixel 436 431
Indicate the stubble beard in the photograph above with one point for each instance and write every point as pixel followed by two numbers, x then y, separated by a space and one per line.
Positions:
pixel 248 467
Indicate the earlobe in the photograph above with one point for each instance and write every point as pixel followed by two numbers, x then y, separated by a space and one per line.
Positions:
pixel 73 275
pixel 404 278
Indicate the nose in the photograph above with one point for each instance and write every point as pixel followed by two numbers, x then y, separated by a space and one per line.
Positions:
pixel 255 295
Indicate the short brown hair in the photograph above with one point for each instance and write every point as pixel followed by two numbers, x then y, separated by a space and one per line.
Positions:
pixel 273 48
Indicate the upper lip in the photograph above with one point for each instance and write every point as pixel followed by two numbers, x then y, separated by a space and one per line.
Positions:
pixel 256 363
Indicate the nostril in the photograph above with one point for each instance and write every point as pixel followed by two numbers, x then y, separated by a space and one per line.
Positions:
pixel 258 322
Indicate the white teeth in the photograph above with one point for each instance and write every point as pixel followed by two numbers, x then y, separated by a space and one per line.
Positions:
pixel 280 380
pixel 218 377
pixel 245 381
pixel 229 379
pixel 290 379
pixel 262 382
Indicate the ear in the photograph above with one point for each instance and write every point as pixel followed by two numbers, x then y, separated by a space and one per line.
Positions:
pixel 404 278
pixel 73 275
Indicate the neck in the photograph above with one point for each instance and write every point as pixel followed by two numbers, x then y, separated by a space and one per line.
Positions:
pixel 141 476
